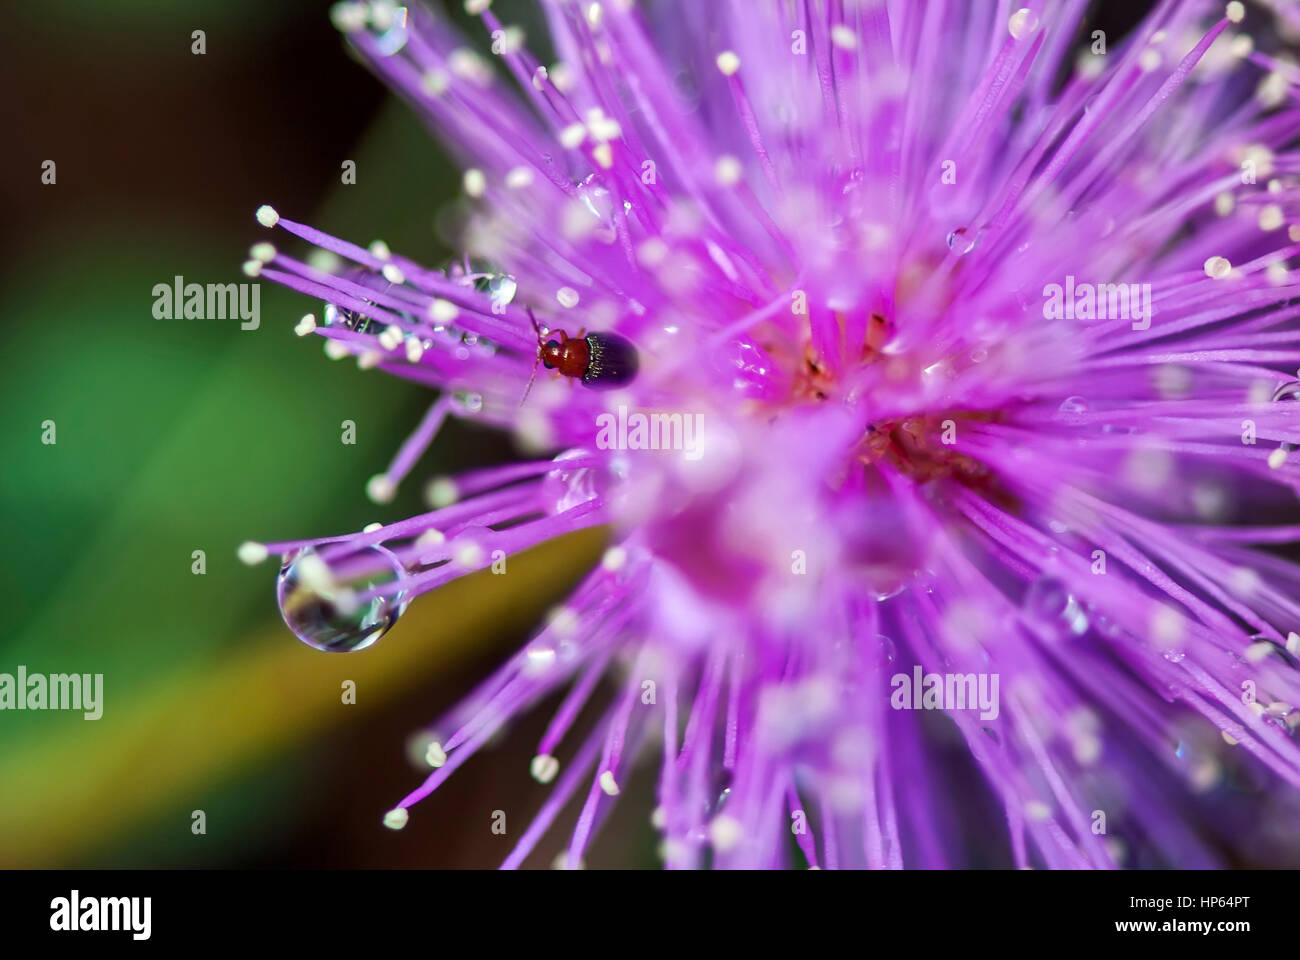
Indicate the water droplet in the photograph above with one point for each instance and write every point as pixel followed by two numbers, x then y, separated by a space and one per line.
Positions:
pixel 538 659
pixel 468 402
pixel 501 290
pixel 595 198
pixel 1049 602
pixel 319 602
pixel 486 278
pixel 388 24
pixel 350 319
pixel 1109 627
pixel 1277 714
pixel 722 783
pixel 883 593
pixel 567 487
pixel 887 649
pixel 1074 404
pixel 1289 391
pixel 959 242
pixel 1175 656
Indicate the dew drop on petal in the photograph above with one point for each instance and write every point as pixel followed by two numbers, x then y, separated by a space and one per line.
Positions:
pixel 1289 391
pixel 1108 627
pixel 501 289
pixel 888 590
pixel 468 402
pixel 487 278
pixel 565 487
pixel 959 243
pixel 1048 602
pixel 319 606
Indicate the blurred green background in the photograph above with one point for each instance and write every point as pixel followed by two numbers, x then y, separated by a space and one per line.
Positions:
pixel 183 435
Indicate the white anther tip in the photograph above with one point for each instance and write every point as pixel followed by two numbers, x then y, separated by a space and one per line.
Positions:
pixel 544 768
pixel 380 489
pixel 252 553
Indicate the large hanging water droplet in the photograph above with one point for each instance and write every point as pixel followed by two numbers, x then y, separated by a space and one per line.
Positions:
pixel 1051 604
pixel 320 604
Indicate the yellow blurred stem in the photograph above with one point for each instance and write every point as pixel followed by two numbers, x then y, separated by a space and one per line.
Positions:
pixel 101 779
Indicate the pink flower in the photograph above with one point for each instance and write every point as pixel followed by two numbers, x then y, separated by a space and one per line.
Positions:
pixel 946 439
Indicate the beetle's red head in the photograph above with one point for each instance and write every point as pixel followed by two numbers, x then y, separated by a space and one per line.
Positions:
pixel 552 353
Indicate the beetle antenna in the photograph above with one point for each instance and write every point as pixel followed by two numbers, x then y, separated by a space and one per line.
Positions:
pixel 533 376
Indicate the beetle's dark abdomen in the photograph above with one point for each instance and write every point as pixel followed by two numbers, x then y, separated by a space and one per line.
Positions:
pixel 613 361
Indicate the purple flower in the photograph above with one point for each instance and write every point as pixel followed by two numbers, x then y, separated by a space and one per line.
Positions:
pixel 944 433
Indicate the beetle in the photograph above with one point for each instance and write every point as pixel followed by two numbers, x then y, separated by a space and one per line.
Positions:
pixel 600 360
